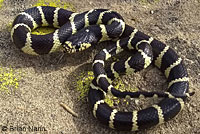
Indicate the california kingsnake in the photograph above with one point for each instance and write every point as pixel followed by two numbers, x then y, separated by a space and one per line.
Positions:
pixel 77 32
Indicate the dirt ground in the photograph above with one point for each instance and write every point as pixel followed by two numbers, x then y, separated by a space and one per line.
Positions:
pixel 47 83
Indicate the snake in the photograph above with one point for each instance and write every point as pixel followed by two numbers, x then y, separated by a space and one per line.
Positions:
pixel 76 32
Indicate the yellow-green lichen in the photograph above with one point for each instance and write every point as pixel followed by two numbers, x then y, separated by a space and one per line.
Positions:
pixel 83 84
pixel 43 30
pixel 56 3
pixel 111 99
pixel 1 3
pixel 53 3
pixel 119 85
pixel 37 31
pixel 9 26
pixel 9 79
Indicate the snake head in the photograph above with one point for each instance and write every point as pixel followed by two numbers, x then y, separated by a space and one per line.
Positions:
pixel 81 40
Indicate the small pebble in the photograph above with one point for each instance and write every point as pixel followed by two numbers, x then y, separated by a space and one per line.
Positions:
pixel 151 12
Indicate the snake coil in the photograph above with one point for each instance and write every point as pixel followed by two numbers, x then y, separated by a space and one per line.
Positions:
pixel 76 32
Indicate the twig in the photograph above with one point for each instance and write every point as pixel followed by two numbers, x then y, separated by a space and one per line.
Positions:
pixel 69 109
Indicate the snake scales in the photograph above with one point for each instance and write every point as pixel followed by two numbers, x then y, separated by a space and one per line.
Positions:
pixel 78 31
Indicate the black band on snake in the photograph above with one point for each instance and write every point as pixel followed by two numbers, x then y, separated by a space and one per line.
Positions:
pixel 76 32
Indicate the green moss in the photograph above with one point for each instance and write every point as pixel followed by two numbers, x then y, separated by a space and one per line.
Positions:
pixel 9 79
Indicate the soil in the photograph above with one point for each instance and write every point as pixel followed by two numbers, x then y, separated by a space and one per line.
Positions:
pixel 47 83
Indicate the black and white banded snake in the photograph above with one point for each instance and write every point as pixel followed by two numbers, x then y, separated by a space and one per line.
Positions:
pixel 76 32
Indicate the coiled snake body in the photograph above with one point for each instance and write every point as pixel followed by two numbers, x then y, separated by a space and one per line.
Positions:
pixel 76 32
